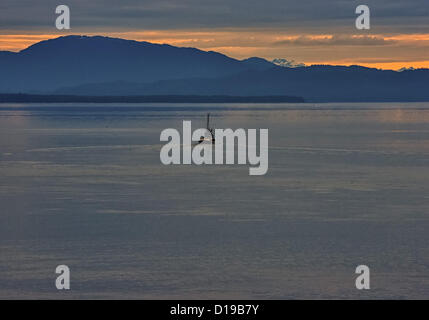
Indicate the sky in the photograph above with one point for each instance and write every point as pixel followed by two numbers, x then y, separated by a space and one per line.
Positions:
pixel 307 31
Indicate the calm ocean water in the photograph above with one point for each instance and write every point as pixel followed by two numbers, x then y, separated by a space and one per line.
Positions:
pixel 82 185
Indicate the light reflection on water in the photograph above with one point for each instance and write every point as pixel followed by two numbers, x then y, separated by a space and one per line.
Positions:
pixel 82 185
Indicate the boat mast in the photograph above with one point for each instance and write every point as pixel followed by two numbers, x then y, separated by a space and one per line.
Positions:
pixel 211 130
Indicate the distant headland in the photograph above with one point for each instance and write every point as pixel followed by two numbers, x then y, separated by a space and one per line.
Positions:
pixel 102 69
pixel 36 98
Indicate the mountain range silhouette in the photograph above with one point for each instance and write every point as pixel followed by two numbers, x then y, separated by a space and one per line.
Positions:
pixel 103 66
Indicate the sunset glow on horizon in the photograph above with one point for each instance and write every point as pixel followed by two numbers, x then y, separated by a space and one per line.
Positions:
pixel 392 51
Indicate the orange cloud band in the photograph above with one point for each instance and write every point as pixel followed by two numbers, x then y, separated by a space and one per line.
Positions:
pixel 375 50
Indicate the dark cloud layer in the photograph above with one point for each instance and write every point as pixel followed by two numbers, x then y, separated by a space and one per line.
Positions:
pixel 395 15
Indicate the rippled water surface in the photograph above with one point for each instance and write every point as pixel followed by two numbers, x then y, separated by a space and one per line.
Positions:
pixel 82 185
